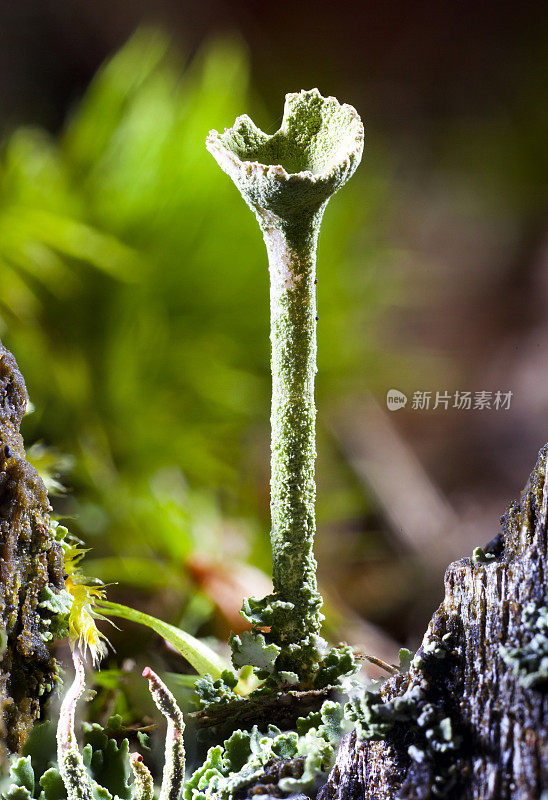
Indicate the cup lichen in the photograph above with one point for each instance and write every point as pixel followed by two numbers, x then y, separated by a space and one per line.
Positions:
pixel 287 180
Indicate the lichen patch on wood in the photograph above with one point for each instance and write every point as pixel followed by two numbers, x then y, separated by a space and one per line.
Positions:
pixel 30 561
pixel 497 731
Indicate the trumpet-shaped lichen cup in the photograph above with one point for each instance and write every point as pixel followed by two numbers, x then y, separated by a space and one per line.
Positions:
pixel 287 180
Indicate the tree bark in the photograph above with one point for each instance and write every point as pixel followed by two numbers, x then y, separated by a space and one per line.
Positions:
pixel 30 561
pixel 468 719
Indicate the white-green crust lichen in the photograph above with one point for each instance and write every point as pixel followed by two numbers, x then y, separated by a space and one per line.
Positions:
pixel 530 661
pixel 287 180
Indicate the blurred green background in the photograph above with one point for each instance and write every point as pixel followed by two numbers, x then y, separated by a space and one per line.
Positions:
pixel 134 292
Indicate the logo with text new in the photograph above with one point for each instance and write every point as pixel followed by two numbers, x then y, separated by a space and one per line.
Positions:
pixel 395 400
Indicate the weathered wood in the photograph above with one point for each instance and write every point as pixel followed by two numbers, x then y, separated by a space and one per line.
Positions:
pixel 472 711
pixel 282 709
pixel 29 561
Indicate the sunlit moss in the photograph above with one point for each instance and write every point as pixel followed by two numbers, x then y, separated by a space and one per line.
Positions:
pixel 82 627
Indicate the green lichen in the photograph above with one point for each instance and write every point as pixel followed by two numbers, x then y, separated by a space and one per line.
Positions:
pixel 249 648
pixel 530 662
pixel 415 717
pixel 287 180
pixel 143 785
pixel 102 769
pixel 21 780
pixel 275 762
pixel 54 620
pixel 405 657
pixel 220 690
pixel 479 556
pixel 105 759
pixel 55 604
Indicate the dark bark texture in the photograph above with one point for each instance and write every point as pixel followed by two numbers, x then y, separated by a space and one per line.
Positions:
pixel 30 560
pixel 468 720
pixel 220 720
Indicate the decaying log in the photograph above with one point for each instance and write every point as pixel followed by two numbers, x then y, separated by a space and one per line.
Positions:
pixel 30 561
pixel 282 709
pixel 468 721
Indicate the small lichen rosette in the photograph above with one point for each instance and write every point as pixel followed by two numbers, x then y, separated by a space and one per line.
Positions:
pixel 314 153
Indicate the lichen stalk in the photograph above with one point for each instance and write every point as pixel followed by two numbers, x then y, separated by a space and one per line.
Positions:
pixel 173 778
pixel 292 266
pixel 77 782
pixel 142 787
